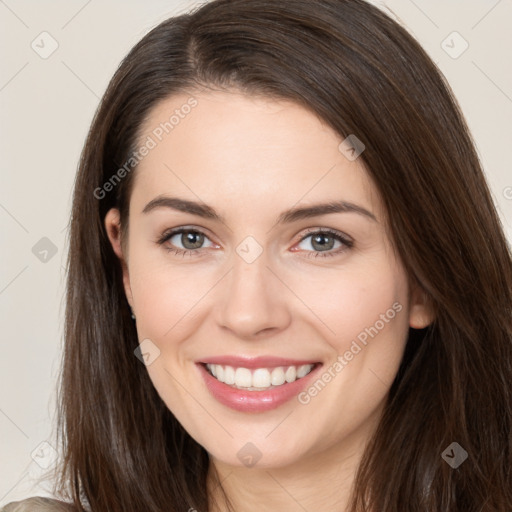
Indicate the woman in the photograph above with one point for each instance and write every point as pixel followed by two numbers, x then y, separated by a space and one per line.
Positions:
pixel 288 286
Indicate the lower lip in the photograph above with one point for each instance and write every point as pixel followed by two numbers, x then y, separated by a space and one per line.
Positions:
pixel 254 401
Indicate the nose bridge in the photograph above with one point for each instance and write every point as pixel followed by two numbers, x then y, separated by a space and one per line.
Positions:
pixel 250 274
pixel 251 303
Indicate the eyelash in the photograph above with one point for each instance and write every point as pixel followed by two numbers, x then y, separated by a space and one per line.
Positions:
pixel 311 254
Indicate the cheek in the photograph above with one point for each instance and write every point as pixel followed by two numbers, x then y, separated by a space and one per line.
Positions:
pixel 166 299
pixel 168 296
pixel 364 318
pixel 359 304
pixel 373 333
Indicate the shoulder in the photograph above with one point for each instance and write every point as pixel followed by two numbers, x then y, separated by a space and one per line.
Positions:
pixel 38 504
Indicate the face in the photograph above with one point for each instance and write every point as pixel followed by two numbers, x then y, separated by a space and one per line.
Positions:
pixel 274 325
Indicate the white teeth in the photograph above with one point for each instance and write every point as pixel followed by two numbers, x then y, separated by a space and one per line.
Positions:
pixel 291 374
pixel 229 375
pixel 260 378
pixel 303 370
pixel 278 377
pixel 243 377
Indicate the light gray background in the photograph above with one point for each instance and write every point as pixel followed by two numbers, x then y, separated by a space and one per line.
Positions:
pixel 47 105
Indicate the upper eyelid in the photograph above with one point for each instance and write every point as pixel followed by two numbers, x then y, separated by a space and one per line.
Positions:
pixel 169 233
pixel 330 231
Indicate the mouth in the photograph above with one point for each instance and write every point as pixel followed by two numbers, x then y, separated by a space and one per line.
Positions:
pixel 256 385
pixel 259 379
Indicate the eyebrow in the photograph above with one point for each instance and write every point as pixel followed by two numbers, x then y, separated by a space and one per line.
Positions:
pixel 288 216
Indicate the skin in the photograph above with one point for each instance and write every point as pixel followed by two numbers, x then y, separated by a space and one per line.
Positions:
pixel 250 159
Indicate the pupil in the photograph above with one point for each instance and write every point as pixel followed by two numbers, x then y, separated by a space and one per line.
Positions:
pixel 321 240
pixel 189 237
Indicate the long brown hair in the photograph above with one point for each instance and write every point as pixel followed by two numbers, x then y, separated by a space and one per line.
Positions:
pixel 363 74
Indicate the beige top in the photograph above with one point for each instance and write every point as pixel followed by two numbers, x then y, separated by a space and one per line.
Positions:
pixel 38 504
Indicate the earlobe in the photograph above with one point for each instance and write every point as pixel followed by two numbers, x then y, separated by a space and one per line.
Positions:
pixel 421 312
pixel 113 228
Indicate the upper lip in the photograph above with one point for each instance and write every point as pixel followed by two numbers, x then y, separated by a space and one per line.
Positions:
pixel 255 362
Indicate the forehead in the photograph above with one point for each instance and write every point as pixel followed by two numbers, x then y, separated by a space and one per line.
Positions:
pixel 219 146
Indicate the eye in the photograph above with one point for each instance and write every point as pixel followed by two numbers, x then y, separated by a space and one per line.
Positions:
pixel 320 242
pixel 191 241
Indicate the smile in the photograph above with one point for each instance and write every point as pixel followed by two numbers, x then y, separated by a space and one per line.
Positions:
pixel 256 385
pixel 258 379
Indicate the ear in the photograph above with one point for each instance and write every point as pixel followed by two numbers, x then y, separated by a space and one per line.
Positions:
pixel 421 313
pixel 113 228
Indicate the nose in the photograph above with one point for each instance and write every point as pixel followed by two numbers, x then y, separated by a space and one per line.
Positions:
pixel 253 300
